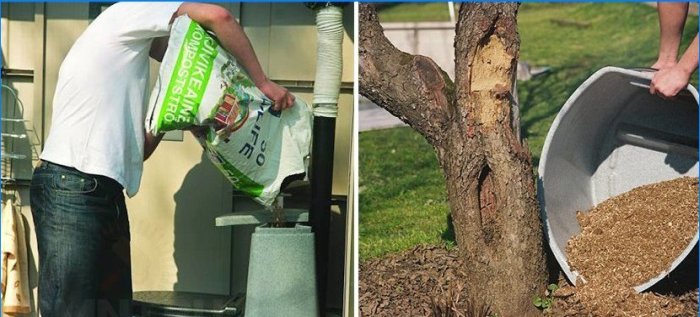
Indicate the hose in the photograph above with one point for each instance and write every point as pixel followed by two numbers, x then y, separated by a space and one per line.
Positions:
pixel 329 61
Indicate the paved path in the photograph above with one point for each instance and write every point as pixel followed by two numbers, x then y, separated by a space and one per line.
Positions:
pixel 374 118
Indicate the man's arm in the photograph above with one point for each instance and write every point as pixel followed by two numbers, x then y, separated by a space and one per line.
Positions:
pixel 669 82
pixel 673 76
pixel 672 17
pixel 233 39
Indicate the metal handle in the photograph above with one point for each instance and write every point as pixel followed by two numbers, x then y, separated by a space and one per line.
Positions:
pixel 644 69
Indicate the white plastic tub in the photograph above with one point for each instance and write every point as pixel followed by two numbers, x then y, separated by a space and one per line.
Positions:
pixel 611 136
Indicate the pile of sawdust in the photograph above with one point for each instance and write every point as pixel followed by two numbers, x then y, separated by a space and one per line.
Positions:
pixel 629 239
pixel 568 301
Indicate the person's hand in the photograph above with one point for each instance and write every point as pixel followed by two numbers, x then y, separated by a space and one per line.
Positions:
pixel 279 95
pixel 668 82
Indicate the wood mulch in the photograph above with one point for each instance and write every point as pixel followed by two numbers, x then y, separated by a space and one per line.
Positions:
pixel 425 280
pixel 629 239
pixel 422 281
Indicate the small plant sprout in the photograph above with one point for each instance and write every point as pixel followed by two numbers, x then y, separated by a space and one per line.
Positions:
pixel 545 303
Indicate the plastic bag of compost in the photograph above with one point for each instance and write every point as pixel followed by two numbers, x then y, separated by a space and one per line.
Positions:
pixel 200 84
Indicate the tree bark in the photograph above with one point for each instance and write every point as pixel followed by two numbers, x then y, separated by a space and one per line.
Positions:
pixel 411 87
pixel 472 125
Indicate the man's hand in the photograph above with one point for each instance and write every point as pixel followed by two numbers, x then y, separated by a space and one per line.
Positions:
pixel 279 95
pixel 669 82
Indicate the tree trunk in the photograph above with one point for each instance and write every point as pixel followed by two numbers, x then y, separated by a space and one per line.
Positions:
pixel 472 125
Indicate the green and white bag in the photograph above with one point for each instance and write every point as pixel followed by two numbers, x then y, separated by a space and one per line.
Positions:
pixel 200 84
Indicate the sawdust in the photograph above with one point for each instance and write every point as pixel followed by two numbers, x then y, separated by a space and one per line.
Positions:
pixel 568 302
pixel 629 239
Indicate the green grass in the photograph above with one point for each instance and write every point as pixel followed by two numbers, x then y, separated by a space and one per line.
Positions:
pixel 620 34
pixel 402 193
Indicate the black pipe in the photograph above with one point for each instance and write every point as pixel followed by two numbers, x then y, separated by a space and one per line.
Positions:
pixel 320 208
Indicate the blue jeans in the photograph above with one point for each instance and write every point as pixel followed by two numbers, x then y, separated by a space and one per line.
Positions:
pixel 82 231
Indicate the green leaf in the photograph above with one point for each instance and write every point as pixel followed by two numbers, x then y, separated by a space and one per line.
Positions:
pixel 547 303
pixel 553 287
pixel 537 301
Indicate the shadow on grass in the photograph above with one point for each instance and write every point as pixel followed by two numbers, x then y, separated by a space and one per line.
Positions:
pixel 540 100
pixel 553 89
pixel 448 234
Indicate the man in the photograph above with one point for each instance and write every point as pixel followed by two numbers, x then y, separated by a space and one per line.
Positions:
pixel 673 75
pixel 96 147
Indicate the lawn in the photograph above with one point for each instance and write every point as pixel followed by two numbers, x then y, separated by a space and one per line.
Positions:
pixel 402 195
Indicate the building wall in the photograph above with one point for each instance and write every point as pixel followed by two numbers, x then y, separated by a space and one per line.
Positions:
pixel 175 245
pixel 425 38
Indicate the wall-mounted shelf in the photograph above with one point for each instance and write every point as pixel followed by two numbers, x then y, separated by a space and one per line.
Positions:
pixel 17 148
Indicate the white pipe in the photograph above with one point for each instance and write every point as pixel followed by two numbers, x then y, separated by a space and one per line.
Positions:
pixel 451 9
pixel 329 61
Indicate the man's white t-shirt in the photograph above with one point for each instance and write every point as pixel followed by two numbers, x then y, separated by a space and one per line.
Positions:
pixel 100 101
